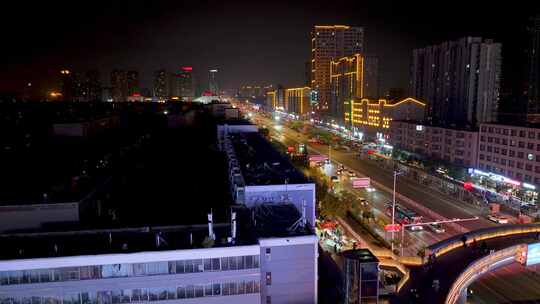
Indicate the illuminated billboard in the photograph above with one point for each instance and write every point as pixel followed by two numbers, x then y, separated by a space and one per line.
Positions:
pixel 533 254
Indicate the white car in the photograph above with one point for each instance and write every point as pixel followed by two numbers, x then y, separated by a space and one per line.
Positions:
pixel 498 219
pixel 437 228
pixel 416 228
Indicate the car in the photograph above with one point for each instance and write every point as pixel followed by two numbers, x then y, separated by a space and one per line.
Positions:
pixel 351 173
pixel 363 202
pixel 437 228
pixel 498 219
pixel 335 179
pixel 416 228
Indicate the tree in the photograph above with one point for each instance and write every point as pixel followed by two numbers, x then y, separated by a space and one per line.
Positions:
pixel 333 207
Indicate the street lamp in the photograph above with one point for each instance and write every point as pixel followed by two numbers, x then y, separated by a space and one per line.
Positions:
pixel 396 173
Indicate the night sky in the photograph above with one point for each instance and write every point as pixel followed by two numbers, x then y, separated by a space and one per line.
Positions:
pixel 252 42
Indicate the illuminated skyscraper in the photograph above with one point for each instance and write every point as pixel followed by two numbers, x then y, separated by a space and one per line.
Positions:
pixel 213 84
pixel 328 43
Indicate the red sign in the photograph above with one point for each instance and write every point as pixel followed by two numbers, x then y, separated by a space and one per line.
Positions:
pixel 317 158
pixel 468 186
pixel 361 182
pixel 370 151
pixel 290 149
pixel 392 227
pixel 187 68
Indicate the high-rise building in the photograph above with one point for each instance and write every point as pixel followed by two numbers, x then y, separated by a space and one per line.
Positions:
pixel 133 85
pixel 182 84
pixel 119 85
pixel 213 84
pixel 67 85
pixel 533 68
pixel 328 43
pixel 307 74
pixel 297 101
pixel 459 80
pixel 346 84
pixel 161 85
pixel 92 86
pixel 371 77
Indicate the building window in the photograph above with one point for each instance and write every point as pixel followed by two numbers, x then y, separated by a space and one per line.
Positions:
pixel 489 149
pixel 490 139
pixel 497 140
pixel 482 147
pixel 505 131
pixel 510 163
pixel 482 138
pixel 496 150
pixel 519 165
pixel 531 134
pixel 481 156
pixel 488 158
pixel 528 167
pixel 520 154
pixel 512 153
pixel 521 144
pixel 513 133
pixel 512 143
pixel 504 151
pixel 503 161
pixel 268 300
pixel 521 133
pixel 268 278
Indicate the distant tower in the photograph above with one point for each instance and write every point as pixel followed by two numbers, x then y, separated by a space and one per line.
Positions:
pixel 133 86
pixel 119 87
pixel 213 84
pixel 161 85
pixel 92 86
pixel 182 84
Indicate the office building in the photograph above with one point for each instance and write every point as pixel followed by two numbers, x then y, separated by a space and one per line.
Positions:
pixel 275 99
pixel 533 68
pixel 182 84
pixel 459 81
pixel 119 85
pixel 92 86
pixel 511 151
pixel 329 43
pixel 361 276
pixel 457 146
pixel 264 250
pixel 213 83
pixel 346 84
pixel 373 117
pixel 161 85
pixel 133 85
pixel 297 101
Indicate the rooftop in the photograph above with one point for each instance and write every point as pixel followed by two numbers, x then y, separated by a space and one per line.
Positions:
pixel 264 221
pixel 261 164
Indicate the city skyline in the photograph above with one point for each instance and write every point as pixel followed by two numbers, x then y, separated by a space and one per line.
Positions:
pixel 112 38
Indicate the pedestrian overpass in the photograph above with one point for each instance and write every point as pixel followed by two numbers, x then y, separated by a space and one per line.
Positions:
pixel 458 261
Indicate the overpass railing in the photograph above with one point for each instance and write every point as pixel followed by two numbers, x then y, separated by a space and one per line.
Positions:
pixel 479 267
pixel 456 241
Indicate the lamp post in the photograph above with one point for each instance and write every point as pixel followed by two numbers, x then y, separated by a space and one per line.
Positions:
pixel 396 173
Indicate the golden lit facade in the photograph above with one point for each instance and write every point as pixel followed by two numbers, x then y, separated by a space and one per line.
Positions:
pixel 346 84
pixel 327 43
pixel 379 113
pixel 297 100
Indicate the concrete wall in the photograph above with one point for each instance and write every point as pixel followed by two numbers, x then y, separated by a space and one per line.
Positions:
pixel 292 265
pixel 34 216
